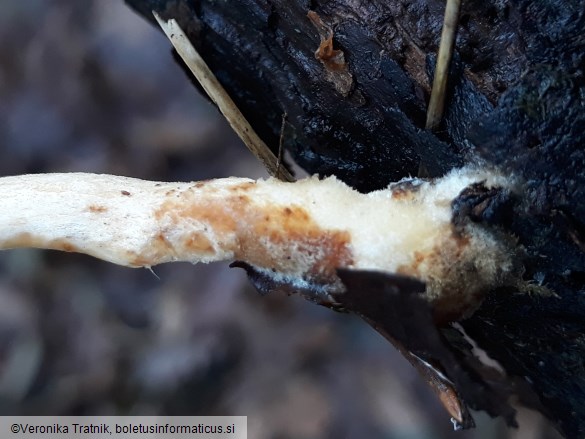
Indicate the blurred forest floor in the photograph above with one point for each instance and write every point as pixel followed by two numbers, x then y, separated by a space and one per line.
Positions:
pixel 89 86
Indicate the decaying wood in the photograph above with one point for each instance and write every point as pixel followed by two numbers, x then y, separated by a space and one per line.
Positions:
pixel 515 100
pixel 515 103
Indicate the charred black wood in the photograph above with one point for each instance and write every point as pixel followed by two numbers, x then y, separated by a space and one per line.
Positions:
pixel 516 101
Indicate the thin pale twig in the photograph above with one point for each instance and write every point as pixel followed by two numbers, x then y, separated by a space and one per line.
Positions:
pixel 281 142
pixel 218 94
pixel 437 101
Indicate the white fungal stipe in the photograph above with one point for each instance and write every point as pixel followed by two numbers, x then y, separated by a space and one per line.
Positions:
pixel 300 231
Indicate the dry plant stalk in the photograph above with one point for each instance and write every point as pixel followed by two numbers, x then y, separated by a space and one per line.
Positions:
pixel 294 232
pixel 217 93
pixel 437 101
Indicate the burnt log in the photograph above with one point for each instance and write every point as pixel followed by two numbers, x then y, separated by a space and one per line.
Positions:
pixel 516 100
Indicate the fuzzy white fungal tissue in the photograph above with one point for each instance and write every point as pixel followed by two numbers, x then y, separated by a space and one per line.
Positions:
pixel 300 231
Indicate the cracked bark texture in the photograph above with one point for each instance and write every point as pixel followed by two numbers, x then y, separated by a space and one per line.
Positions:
pixel 516 100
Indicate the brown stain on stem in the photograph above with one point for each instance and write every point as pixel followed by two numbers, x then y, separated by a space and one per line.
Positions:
pixel 28 240
pixel 273 237
pixel 445 268
pixel 95 208
pixel 199 243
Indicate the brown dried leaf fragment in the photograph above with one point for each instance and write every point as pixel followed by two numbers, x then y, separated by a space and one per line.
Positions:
pixel 337 71
pixel 395 306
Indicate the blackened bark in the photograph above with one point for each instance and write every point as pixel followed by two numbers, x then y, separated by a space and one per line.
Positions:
pixel 517 100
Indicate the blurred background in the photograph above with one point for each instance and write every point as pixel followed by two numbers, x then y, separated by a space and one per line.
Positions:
pixel 89 86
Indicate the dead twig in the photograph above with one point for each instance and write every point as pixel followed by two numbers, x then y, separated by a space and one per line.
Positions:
pixel 437 101
pixel 221 98
pixel 281 142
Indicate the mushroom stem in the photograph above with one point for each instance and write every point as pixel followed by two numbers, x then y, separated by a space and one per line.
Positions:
pixel 300 231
